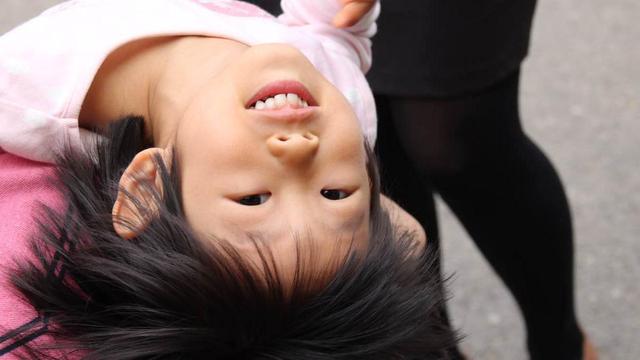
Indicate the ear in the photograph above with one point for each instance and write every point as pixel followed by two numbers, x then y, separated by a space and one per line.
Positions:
pixel 404 221
pixel 136 203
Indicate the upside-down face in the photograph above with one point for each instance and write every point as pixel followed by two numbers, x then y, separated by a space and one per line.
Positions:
pixel 268 146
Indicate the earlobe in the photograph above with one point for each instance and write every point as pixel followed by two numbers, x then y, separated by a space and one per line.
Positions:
pixel 139 193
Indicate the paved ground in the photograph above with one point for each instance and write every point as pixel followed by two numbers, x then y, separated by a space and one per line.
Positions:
pixel 581 103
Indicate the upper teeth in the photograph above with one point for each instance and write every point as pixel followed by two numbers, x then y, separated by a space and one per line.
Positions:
pixel 280 100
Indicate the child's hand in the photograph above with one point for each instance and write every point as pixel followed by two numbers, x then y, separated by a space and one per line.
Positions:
pixel 352 11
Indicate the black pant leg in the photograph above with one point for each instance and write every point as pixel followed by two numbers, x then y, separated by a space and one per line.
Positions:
pixel 403 184
pixel 399 179
pixel 507 195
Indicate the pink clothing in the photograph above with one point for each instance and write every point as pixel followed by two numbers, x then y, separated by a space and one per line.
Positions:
pixel 24 186
pixel 48 63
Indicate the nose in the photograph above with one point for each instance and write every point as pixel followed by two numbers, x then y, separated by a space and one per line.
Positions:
pixel 293 148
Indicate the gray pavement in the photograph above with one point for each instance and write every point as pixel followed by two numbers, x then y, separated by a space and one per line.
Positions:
pixel 581 102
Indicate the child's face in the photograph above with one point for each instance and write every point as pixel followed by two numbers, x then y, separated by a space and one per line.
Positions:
pixel 293 169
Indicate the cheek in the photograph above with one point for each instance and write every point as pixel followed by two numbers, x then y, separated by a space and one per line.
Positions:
pixel 346 131
pixel 344 128
pixel 210 131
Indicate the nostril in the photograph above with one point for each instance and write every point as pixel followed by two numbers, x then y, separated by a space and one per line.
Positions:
pixel 308 136
pixel 283 138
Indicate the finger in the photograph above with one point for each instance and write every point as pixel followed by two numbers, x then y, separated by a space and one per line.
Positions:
pixel 352 12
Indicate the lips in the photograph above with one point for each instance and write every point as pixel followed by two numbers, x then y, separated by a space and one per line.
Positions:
pixel 282 87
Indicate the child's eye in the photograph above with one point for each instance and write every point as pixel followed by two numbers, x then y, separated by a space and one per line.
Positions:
pixel 253 200
pixel 333 194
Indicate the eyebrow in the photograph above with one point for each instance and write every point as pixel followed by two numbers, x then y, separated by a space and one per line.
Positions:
pixel 349 226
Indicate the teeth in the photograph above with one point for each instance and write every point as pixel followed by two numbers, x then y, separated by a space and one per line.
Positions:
pixel 293 99
pixel 279 101
pixel 270 103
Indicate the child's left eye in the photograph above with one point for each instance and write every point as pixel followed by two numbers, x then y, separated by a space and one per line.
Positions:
pixel 333 194
pixel 254 200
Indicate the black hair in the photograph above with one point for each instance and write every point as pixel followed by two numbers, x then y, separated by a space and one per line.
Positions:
pixel 168 295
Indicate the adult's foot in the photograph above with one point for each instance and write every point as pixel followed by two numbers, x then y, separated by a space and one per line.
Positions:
pixel 589 351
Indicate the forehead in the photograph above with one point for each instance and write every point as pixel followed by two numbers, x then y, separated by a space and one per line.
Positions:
pixel 319 245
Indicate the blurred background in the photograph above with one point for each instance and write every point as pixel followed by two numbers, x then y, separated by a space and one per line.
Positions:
pixel 580 101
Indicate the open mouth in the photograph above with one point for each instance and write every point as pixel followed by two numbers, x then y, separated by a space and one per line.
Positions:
pixel 281 94
pixel 279 101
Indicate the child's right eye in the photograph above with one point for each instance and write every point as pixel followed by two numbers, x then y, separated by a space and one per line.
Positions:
pixel 254 200
pixel 334 194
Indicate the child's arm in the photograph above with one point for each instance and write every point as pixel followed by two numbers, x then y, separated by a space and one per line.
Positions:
pixel 356 19
pixel 404 221
pixel 352 11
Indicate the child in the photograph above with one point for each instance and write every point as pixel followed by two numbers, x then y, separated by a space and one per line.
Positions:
pixel 237 215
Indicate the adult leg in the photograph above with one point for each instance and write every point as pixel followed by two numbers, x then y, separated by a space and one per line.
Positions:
pixel 508 197
pixel 403 184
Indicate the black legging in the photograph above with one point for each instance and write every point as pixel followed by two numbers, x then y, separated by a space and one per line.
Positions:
pixel 473 152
